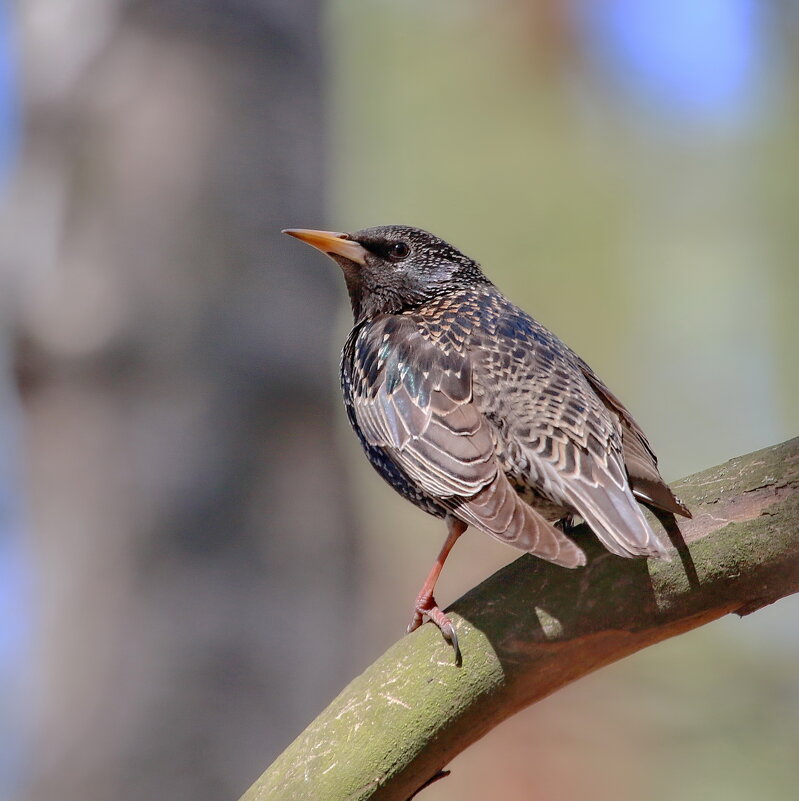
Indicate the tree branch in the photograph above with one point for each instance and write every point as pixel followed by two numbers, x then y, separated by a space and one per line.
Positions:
pixel 533 627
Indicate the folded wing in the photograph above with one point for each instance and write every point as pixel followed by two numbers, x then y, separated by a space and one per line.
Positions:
pixel 639 458
pixel 557 434
pixel 413 399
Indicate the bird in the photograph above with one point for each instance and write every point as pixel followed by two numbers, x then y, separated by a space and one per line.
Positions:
pixel 476 413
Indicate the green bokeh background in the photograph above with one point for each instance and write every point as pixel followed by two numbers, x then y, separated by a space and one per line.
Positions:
pixel 664 252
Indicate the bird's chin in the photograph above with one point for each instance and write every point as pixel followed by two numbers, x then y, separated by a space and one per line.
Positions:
pixel 353 278
pixel 347 265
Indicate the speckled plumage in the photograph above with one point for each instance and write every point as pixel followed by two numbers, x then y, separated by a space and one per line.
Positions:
pixel 533 406
pixel 474 411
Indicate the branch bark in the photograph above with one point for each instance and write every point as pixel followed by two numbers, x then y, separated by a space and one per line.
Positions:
pixel 533 627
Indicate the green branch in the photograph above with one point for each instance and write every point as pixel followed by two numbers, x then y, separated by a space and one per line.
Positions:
pixel 532 628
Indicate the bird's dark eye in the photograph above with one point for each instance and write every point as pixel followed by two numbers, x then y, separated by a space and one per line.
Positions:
pixel 398 251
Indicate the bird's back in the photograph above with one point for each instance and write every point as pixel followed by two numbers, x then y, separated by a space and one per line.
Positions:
pixel 564 440
pixel 537 414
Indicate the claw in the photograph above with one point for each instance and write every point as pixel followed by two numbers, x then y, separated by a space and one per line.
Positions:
pixel 451 636
pixel 426 603
pixel 427 606
pixel 415 623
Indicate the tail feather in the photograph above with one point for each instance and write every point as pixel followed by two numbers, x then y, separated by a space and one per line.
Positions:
pixel 645 479
pixel 658 495
pixel 617 520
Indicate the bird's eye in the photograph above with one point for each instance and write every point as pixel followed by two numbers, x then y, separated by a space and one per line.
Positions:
pixel 398 251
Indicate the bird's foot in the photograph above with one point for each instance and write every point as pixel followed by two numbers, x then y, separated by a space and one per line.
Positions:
pixel 426 606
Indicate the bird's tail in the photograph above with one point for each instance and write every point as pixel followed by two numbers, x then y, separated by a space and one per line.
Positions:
pixel 617 520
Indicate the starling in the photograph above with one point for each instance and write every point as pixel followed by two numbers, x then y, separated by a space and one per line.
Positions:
pixel 476 413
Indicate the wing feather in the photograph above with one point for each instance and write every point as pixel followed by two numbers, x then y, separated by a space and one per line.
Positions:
pixel 557 435
pixel 639 458
pixel 414 402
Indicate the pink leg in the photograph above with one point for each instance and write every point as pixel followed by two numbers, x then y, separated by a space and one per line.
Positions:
pixel 426 603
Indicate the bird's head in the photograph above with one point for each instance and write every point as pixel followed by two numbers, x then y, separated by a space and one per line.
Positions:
pixel 394 267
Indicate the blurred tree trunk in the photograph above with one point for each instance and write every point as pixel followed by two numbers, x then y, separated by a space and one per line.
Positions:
pixel 193 541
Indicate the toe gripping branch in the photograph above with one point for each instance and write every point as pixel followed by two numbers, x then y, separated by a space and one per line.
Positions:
pixel 425 602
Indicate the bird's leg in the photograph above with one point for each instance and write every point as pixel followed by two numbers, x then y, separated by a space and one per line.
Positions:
pixel 426 603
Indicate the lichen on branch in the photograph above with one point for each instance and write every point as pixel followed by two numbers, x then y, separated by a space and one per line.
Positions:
pixel 533 627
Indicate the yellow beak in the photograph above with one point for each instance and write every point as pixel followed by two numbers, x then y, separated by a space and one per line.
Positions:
pixel 332 243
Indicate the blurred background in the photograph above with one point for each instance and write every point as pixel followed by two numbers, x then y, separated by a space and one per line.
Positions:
pixel 194 555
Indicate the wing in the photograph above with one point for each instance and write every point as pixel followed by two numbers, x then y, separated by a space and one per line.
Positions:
pixel 557 435
pixel 639 458
pixel 412 399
